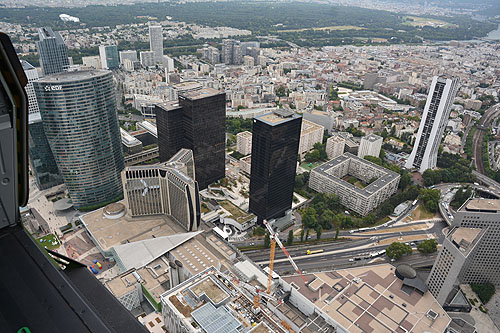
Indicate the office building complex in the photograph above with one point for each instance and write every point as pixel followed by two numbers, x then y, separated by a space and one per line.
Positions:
pixel 128 54
pixel 32 75
pixel 370 146
pixel 244 142
pixel 147 58
pixel 167 188
pixel 109 56
pixel 156 41
pixel 78 110
pixel 232 52
pixel 42 161
pixel 53 52
pixel 93 62
pixel 434 120
pixel 275 145
pixel 374 184
pixel 458 248
pixel 196 122
pixel 335 146
pixel 310 134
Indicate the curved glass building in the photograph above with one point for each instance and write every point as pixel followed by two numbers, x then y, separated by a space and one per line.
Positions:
pixel 78 110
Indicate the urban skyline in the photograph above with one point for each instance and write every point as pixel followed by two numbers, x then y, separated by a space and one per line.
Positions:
pixel 172 157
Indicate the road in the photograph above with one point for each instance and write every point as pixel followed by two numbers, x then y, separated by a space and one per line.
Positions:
pixel 477 141
pixel 337 254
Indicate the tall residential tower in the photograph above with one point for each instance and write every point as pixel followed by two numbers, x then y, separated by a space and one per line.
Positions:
pixel 275 145
pixel 433 123
pixel 53 52
pixel 156 41
pixel 79 117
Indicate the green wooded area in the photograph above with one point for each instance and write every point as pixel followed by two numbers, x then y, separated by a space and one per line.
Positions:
pixel 264 19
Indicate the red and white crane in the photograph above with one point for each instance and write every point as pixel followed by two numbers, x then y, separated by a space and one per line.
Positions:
pixel 275 239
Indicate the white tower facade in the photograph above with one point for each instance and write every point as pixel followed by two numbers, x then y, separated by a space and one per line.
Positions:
pixel 156 41
pixel 433 123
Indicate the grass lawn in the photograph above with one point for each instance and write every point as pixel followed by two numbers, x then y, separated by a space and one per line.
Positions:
pixel 239 215
pixel 416 21
pixel 47 241
pixel 421 214
pixel 333 28
pixel 309 166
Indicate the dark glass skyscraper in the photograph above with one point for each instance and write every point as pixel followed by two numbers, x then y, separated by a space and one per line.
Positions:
pixel 275 145
pixel 53 52
pixel 79 117
pixel 198 123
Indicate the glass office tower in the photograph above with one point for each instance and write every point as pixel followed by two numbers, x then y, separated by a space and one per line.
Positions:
pixel 53 52
pixel 79 116
pixel 275 145
pixel 197 122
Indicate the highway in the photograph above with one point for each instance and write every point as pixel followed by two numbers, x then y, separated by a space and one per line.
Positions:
pixel 337 254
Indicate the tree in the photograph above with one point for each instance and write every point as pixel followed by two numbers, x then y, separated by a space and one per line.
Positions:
pixel 384 133
pixel 396 250
pixel 337 231
pixel 310 221
pixel 302 235
pixel 313 156
pixel 327 219
pixel 267 240
pixel 319 231
pixel 259 231
pixel 427 246
pixel 307 235
pixel 289 241
pixel 430 197
pixel 484 291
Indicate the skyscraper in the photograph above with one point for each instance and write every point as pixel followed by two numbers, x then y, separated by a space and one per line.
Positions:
pixel 128 54
pixel 275 145
pixel 79 117
pixel 109 56
pixel 433 123
pixel 156 41
pixel 196 122
pixel 53 52
pixel 42 161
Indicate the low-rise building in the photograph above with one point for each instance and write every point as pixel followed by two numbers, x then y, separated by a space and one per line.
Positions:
pixel 361 185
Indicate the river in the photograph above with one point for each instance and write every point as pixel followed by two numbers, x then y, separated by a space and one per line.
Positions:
pixel 494 35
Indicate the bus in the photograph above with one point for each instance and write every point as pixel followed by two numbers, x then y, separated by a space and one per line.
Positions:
pixel 314 251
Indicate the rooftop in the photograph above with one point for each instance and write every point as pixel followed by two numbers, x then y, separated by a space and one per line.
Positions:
pixel 278 117
pixel 372 137
pixel 200 93
pixel 110 232
pixel 309 126
pixel 465 238
pixel 245 134
pixel 482 205
pixel 68 77
pixel 385 177
pixel 195 257
pixel 371 299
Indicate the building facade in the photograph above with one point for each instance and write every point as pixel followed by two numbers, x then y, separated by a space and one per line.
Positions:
pixel 370 146
pixel 483 266
pixel 275 145
pixel 232 52
pixel 147 58
pixel 53 51
pixel 196 122
pixel 109 56
pixel 167 188
pixel 458 248
pixel 335 146
pixel 156 41
pixel 78 110
pixel 244 142
pixel 374 184
pixel 32 75
pixel 128 54
pixel 310 134
pixel 434 119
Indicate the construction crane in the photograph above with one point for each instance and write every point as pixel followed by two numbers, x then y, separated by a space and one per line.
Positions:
pixel 275 239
